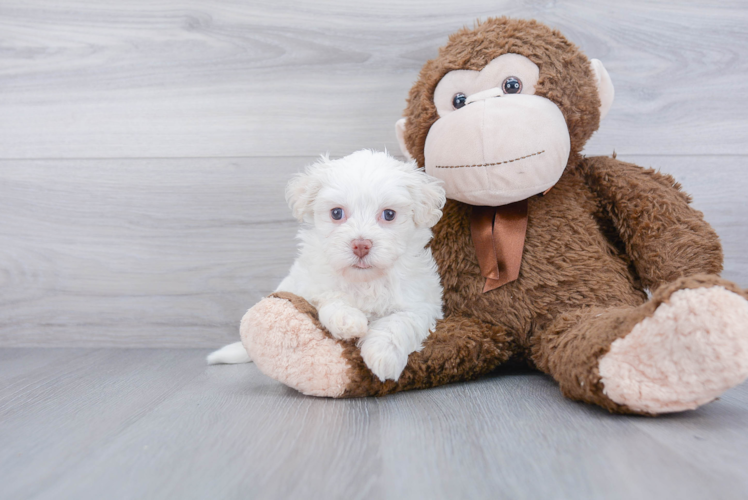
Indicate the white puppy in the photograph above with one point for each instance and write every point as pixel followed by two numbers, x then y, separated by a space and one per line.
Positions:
pixel 363 262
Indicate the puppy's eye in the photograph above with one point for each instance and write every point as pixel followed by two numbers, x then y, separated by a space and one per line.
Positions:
pixel 512 85
pixel 337 213
pixel 458 101
pixel 388 215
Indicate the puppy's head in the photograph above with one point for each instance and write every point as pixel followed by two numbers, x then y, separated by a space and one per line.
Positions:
pixel 366 210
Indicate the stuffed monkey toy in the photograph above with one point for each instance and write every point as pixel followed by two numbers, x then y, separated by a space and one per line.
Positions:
pixel 545 256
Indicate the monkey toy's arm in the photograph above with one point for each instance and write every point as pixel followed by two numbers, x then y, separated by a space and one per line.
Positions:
pixel 664 236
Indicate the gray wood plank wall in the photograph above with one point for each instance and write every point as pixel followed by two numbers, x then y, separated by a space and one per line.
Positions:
pixel 144 146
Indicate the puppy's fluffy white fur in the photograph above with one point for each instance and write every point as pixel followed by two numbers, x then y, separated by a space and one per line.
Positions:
pixel 391 297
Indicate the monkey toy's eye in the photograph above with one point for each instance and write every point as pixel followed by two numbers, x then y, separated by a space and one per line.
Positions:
pixel 336 213
pixel 388 215
pixel 512 85
pixel 458 100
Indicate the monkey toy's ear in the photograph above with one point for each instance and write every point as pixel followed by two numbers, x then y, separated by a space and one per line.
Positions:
pixel 400 132
pixel 604 86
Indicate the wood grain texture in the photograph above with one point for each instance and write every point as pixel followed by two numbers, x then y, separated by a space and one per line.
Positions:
pixel 149 423
pixel 171 253
pixel 56 415
pixel 181 78
pixel 179 248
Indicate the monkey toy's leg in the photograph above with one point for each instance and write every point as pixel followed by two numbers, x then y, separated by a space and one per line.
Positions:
pixel 681 349
pixel 286 341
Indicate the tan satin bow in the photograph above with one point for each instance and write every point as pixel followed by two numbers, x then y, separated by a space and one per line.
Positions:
pixel 499 238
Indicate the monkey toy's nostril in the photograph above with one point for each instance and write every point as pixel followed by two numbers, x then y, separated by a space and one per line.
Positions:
pixel 361 247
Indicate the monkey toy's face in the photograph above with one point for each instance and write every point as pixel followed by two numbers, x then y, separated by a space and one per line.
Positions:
pixel 499 132
pixel 495 142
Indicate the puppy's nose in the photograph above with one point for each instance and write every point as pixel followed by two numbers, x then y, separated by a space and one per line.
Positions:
pixel 361 247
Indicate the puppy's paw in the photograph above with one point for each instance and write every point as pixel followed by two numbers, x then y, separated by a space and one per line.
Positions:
pixel 383 357
pixel 344 322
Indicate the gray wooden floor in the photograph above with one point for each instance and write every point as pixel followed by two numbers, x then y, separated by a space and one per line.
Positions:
pixel 157 423
pixel 144 147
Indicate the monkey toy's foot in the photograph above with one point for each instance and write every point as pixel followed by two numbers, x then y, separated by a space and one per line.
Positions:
pixel 286 341
pixel 692 349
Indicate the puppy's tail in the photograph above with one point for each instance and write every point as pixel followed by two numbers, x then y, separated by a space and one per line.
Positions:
pixel 230 354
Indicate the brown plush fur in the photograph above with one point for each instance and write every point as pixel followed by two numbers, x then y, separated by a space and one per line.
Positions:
pixel 571 346
pixel 603 234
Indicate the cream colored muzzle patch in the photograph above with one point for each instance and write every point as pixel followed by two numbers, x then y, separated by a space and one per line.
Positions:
pixel 499 149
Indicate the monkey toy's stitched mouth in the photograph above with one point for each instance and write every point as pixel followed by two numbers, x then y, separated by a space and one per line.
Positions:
pixel 491 164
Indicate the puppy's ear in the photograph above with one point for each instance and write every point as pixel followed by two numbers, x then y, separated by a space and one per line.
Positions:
pixel 429 198
pixel 300 193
